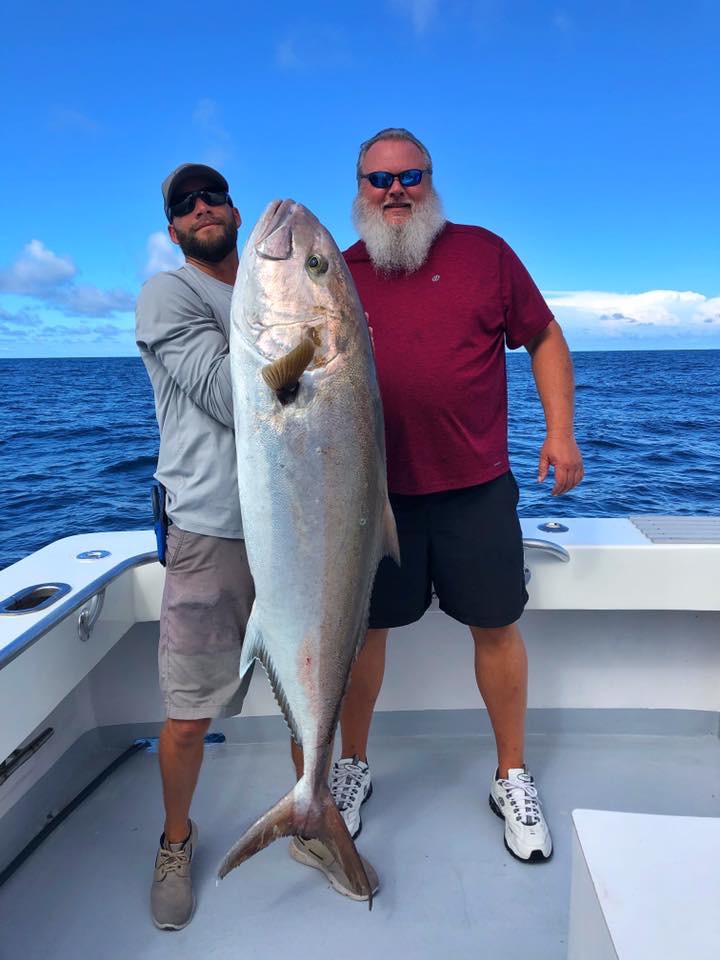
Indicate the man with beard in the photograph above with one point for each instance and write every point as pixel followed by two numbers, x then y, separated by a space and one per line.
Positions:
pixel 443 300
pixel 182 330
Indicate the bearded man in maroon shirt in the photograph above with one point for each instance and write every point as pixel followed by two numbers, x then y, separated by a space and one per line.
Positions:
pixel 443 301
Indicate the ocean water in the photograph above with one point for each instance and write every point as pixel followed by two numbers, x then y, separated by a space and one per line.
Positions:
pixel 78 442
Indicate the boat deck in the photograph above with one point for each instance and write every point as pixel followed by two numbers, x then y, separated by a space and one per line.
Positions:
pixel 449 888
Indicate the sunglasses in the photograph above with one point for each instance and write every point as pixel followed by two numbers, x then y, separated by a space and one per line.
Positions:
pixel 213 198
pixel 381 179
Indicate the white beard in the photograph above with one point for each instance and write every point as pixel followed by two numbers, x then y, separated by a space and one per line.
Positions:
pixel 399 247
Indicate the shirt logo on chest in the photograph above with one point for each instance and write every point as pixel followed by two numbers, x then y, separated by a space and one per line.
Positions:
pixel 435 278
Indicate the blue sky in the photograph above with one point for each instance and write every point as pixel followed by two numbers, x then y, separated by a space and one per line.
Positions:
pixel 586 135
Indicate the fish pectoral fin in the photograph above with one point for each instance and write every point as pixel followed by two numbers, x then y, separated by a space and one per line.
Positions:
pixel 283 375
pixel 390 544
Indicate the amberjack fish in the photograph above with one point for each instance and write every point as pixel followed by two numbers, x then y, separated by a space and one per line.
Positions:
pixel 313 491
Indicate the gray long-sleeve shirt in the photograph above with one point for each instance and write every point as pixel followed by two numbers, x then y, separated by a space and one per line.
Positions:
pixel 182 326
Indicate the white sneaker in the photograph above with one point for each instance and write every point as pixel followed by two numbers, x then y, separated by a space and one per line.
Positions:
pixel 516 800
pixel 350 786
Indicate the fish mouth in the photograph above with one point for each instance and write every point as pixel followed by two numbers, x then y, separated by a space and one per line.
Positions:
pixel 274 238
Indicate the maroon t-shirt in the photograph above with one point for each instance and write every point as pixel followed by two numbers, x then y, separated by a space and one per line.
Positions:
pixel 440 336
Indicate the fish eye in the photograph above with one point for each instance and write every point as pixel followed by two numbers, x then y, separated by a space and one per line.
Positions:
pixel 316 264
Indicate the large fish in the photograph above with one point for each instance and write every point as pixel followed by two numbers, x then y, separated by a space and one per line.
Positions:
pixel 313 491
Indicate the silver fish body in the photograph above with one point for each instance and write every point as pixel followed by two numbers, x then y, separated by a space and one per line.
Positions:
pixel 313 492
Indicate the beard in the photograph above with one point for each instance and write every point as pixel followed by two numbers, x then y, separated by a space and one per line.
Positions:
pixel 399 247
pixel 211 249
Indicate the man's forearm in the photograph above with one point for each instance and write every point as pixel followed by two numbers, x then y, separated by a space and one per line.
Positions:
pixel 553 372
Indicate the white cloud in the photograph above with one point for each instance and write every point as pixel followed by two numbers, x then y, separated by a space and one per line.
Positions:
pixel 162 254
pixel 421 12
pixel 286 55
pixel 43 275
pixel 661 315
pixel 563 22
pixel 207 116
pixel 29 334
pixel 36 271
pixel 90 301
pixel 207 119
pixel 70 120
pixel 11 322
pixel 324 47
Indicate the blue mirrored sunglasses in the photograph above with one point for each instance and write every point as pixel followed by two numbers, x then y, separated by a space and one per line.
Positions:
pixel 186 204
pixel 381 179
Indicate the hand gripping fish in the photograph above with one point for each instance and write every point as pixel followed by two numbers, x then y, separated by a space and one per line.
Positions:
pixel 313 491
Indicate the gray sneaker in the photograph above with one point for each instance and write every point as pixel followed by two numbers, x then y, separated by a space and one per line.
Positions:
pixel 315 854
pixel 172 900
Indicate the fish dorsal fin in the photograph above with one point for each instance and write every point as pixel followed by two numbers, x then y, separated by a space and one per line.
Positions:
pixel 287 370
pixel 252 645
pixel 390 545
pixel 253 649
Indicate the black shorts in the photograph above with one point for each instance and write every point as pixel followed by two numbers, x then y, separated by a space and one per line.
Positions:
pixel 466 546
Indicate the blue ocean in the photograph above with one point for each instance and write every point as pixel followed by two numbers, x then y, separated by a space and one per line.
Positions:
pixel 78 442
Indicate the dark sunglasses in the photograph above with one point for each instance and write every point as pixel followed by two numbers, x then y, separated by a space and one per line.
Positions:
pixel 213 198
pixel 381 179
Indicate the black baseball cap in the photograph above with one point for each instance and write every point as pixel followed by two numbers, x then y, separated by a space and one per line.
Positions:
pixel 184 172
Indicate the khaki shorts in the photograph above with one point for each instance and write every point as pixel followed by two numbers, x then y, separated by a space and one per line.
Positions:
pixel 206 603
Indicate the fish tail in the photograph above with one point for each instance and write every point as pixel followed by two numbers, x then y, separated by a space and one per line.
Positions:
pixel 328 826
pixel 295 816
pixel 279 821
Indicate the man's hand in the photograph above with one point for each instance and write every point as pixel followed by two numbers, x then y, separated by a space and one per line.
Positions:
pixel 372 339
pixel 553 372
pixel 563 454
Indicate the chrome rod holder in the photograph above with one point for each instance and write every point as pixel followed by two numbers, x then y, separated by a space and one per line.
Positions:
pixel 89 616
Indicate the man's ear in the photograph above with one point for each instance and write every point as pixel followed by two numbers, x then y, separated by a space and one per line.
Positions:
pixel 238 218
pixel 173 235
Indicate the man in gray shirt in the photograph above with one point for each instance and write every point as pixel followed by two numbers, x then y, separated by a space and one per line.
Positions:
pixel 182 329
pixel 182 332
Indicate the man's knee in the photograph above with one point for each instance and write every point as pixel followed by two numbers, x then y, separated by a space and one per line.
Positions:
pixel 508 635
pixel 187 733
pixel 370 664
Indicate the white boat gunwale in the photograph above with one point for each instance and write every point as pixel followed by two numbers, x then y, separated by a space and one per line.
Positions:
pixel 33 625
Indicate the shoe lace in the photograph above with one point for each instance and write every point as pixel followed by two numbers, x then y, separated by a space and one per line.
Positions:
pixel 523 797
pixel 346 784
pixel 171 861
